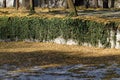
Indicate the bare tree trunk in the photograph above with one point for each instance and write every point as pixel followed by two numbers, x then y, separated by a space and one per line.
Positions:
pixel 96 3
pixel 42 3
pixel 32 9
pixel 51 1
pixel 66 4
pixel 55 3
pixel 86 3
pixel 105 4
pixel 14 3
pixel 47 3
pixel 23 3
pixel 4 3
pixel 72 7
pixel 112 3
pixel 39 3
pixel 17 4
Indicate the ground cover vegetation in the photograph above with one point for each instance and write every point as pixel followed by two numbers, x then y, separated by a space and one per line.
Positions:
pixel 45 24
pixel 45 29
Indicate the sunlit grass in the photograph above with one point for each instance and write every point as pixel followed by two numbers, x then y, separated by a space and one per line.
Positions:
pixel 46 12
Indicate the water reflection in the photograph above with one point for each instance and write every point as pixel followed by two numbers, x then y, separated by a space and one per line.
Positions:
pixel 71 72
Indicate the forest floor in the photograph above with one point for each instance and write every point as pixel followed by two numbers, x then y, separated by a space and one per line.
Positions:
pixel 35 53
pixel 50 61
pixel 96 62
pixel 62 53
pixel 90 13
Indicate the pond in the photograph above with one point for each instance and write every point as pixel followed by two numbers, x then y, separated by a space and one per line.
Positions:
pixel 70 72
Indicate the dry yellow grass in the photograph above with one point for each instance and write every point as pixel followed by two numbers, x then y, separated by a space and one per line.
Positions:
pixel 44 12
pixel 31 53
pixel 40 12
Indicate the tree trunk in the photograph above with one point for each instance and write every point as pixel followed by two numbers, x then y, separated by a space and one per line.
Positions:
pixel 42 3
pixel 105 4
pixel 86 3
pixel 72 7
pixel 55 3
pixel 47 3
pixel 32 9
pixel 52 2
pixel 39 3
pixel 96 3
pixel 64 4
pixel 23 3
pixel 112 3
pixel 4 3
pixel 79 2
pixel 14 3
pixel 17 4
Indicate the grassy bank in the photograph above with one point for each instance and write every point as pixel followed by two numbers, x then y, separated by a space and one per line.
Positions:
pixel 30 54
pixel 47 29
pixel 49 25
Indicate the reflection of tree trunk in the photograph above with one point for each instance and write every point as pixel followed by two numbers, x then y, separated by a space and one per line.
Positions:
pixel 72 7
pixel 96 3
pixel 112 3
pixel 4 3
pixel 105 3
pixel 17 4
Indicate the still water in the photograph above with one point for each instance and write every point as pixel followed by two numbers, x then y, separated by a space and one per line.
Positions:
pixel 71 72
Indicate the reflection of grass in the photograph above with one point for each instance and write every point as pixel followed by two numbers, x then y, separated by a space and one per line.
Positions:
pixel 78 70
pixel 110 75
pixel 30 53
